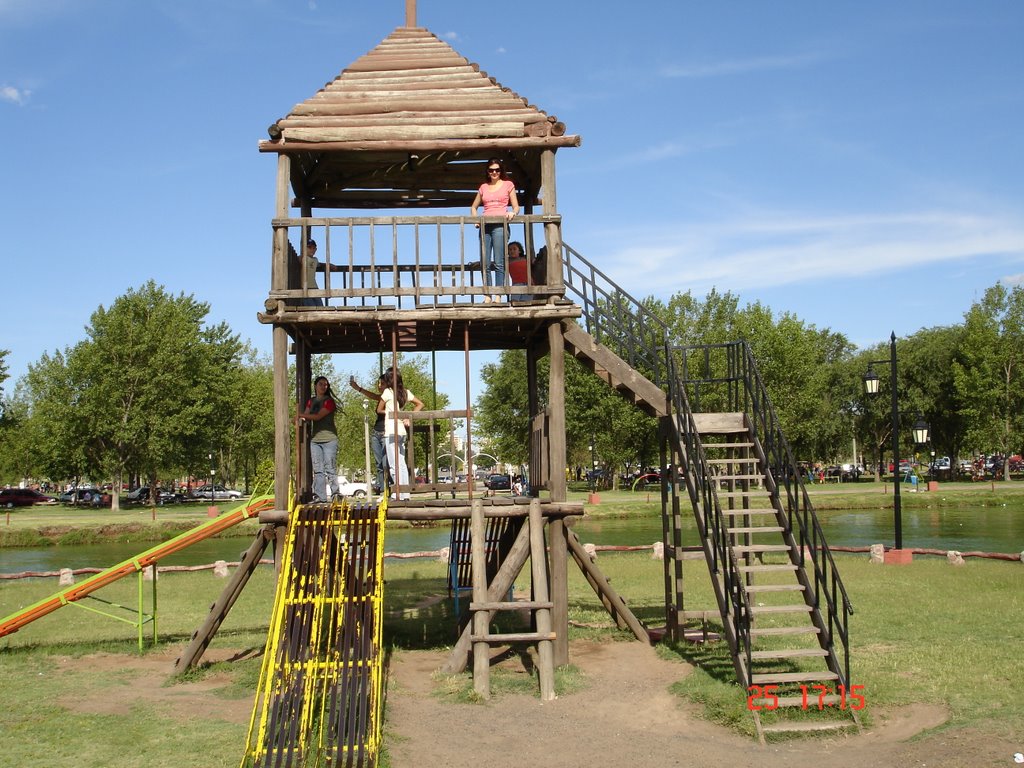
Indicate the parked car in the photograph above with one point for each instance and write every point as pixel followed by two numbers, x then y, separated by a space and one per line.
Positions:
pixel 86 497
pixel 218 492
pixel 141 496
pixel 498 483
pixel 347 488
pixel 23 497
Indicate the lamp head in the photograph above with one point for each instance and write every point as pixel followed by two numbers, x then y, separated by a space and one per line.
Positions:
pixel 871 382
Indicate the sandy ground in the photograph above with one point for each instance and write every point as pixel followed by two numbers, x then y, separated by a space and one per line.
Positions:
pixel 623 716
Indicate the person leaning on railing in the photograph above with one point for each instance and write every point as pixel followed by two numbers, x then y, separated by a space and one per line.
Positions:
pixel 394 398
pixel 377 442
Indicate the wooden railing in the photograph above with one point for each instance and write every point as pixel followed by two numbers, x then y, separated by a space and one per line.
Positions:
pixel 407 261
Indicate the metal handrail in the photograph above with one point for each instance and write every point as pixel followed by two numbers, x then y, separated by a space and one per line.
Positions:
pixel 629 329
pixel 638 336
pixel 745 391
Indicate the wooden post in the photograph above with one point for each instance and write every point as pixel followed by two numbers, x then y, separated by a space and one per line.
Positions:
pixel 539 567
pixel 559 589
pixel 552 235
pixel 279 280
pixel 481 619
pixel 282 422
pixel 556 406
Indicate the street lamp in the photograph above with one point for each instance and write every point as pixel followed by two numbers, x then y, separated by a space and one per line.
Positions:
pixel 593 468
pixel 212 473
pixel 920 432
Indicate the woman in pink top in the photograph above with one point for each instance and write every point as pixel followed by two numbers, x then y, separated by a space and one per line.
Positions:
pixel 496 194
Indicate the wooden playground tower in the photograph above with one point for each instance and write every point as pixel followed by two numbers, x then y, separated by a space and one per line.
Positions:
pixel 411 125
pixel 409 128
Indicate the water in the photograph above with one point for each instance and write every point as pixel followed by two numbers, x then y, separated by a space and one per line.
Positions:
pixel 985 529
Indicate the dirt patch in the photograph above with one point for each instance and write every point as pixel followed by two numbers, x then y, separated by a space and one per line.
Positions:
pixel 144 682
pixel 626 716
pixel 623 715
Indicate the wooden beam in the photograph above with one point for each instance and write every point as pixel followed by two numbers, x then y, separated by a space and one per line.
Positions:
pixel 499 586
pixel 616 605
pixel 456 145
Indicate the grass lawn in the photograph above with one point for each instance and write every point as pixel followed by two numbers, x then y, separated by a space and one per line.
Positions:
pixel 928 632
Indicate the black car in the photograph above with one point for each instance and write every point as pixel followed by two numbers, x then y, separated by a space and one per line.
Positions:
pixel 23 497
pixel 498 483
pixel 86 497
pixel 141 496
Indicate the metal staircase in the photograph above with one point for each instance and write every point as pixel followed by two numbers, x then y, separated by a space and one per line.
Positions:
pixel 784 609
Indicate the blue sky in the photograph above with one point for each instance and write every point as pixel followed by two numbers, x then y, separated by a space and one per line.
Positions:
pixel 858 164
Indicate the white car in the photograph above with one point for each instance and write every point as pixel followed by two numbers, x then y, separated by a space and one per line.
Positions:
pixel 218 492
pixel 344 487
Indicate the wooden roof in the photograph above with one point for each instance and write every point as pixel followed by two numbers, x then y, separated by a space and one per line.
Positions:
pixel 402 126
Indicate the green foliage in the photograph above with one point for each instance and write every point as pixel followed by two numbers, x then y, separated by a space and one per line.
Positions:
pixel 989 370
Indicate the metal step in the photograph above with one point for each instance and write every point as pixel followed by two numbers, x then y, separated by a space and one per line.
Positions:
pixel 756 529
pixel 726 478
pixel 734 460
pixel 751 511
pixel 716 446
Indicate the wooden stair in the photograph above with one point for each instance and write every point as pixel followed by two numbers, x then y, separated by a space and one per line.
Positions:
pixel 789 639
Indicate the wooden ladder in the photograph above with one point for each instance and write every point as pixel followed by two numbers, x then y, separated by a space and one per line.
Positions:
pixel 481 609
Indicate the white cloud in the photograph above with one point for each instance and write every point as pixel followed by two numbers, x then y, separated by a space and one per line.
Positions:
pixel 740 66
pixel 450 36
pixel 14 95
pixel 783 249
pixel 1012 280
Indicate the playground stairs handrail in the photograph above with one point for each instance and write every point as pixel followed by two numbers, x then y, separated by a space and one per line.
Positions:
pixel 727 375
pixel 632 331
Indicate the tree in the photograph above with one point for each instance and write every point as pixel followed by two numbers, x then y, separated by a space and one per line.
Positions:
pixel 988 375
pixel 153 382
pixel 593 412
pixel 927 364
pixel 248 438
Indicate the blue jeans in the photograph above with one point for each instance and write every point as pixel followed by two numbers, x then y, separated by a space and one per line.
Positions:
pixel 494 252
pixel 403 468
pixel 380 456
pixel 323 457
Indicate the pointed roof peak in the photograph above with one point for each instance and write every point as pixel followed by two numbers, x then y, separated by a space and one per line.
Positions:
pixel 414 88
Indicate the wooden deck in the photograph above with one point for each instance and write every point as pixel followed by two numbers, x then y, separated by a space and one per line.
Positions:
pixel 503 325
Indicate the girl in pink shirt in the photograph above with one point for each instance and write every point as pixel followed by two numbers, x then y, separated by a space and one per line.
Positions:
pixel 496 194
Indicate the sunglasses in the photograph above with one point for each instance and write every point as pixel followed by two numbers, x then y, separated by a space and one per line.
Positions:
pixel 494 170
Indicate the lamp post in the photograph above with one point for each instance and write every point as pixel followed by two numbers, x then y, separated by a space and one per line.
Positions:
pixel 920 433
pixel 211 476
pixel 594 498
